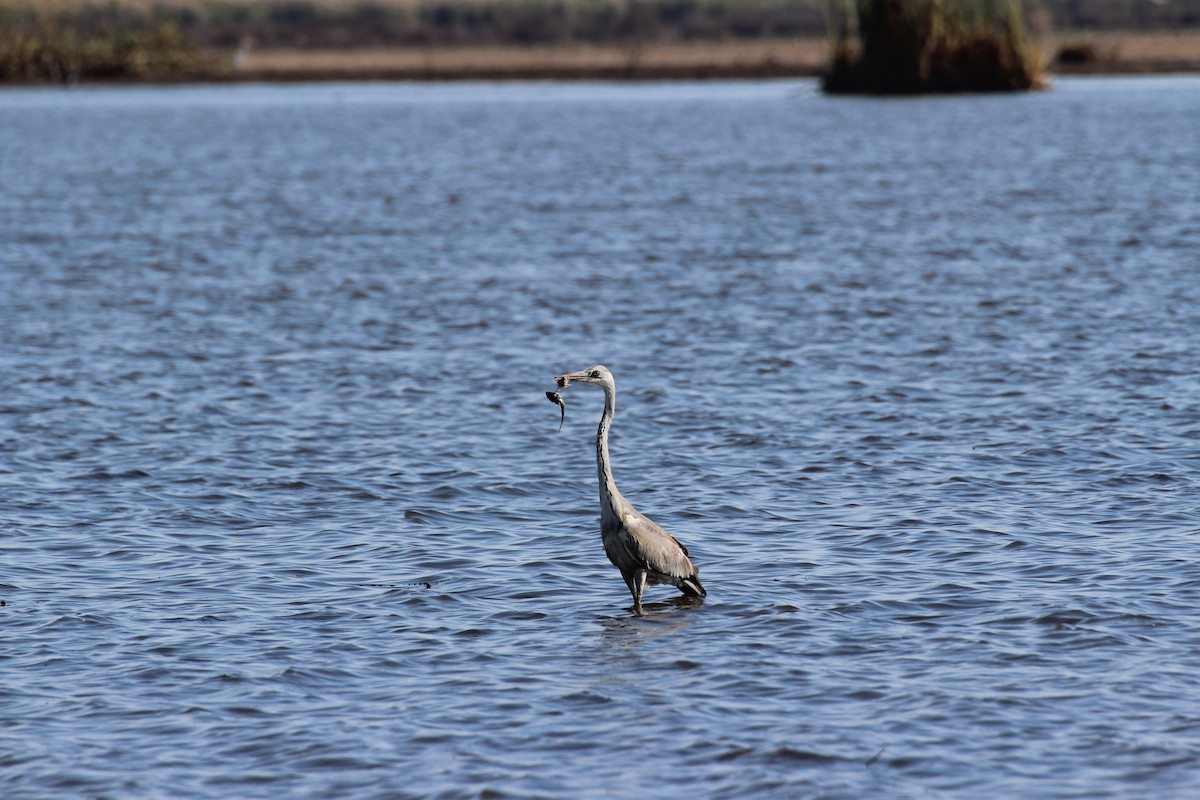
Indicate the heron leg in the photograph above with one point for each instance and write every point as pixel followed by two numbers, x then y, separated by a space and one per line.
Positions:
pixel 637 584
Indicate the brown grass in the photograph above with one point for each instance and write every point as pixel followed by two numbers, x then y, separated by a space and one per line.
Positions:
pixel 1118 53
pixel 665 60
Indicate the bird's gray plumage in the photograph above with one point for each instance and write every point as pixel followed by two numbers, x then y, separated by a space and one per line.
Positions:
pixel 640 549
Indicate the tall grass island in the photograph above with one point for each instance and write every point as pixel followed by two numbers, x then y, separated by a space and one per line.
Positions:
pixel 904 47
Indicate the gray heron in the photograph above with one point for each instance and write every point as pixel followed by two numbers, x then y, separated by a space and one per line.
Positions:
pixel 640 549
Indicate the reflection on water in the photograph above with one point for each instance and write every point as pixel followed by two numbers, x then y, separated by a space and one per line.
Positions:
pixel 668 616
pixel 285 512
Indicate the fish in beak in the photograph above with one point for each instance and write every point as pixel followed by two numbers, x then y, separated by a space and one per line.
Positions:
pixel 556 398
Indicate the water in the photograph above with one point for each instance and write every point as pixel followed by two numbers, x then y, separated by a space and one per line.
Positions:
pixel 283 511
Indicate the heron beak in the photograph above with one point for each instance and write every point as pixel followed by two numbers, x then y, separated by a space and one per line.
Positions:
pixel 563 381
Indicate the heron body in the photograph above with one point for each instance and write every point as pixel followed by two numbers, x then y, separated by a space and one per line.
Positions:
pixel 639 548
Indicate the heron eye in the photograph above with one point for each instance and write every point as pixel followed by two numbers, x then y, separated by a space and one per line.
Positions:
pixel 594 373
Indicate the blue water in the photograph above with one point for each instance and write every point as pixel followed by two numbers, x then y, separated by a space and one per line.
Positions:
pixel 284 512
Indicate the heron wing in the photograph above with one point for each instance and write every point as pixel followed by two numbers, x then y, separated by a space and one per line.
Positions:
pixel 655 549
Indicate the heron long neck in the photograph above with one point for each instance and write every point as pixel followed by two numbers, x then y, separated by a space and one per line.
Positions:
pixel 608 487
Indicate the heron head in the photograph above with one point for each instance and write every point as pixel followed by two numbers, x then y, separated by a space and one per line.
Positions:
pixel 593 376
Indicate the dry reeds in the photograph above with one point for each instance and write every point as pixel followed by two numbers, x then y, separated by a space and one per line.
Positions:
pixel 654 61
pixel 39 50
pixel 927 46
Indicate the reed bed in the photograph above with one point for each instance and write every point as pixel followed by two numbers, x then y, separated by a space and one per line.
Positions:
pixel 42 48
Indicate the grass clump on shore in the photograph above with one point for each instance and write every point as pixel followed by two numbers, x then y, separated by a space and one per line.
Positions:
pixel 930 46
pixel 66 49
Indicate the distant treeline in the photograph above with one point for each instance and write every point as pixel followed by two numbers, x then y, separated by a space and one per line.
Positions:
pixel 345 24
pixel 1119 15
pixel 373 23
pixel 526 22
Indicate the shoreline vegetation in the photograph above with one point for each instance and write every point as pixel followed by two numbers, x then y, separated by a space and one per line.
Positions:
pixel 164 41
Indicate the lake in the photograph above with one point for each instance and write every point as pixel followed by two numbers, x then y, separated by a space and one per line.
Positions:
pixel 284 511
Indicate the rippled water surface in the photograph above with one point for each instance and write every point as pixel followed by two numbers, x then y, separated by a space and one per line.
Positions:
pixel 283 511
